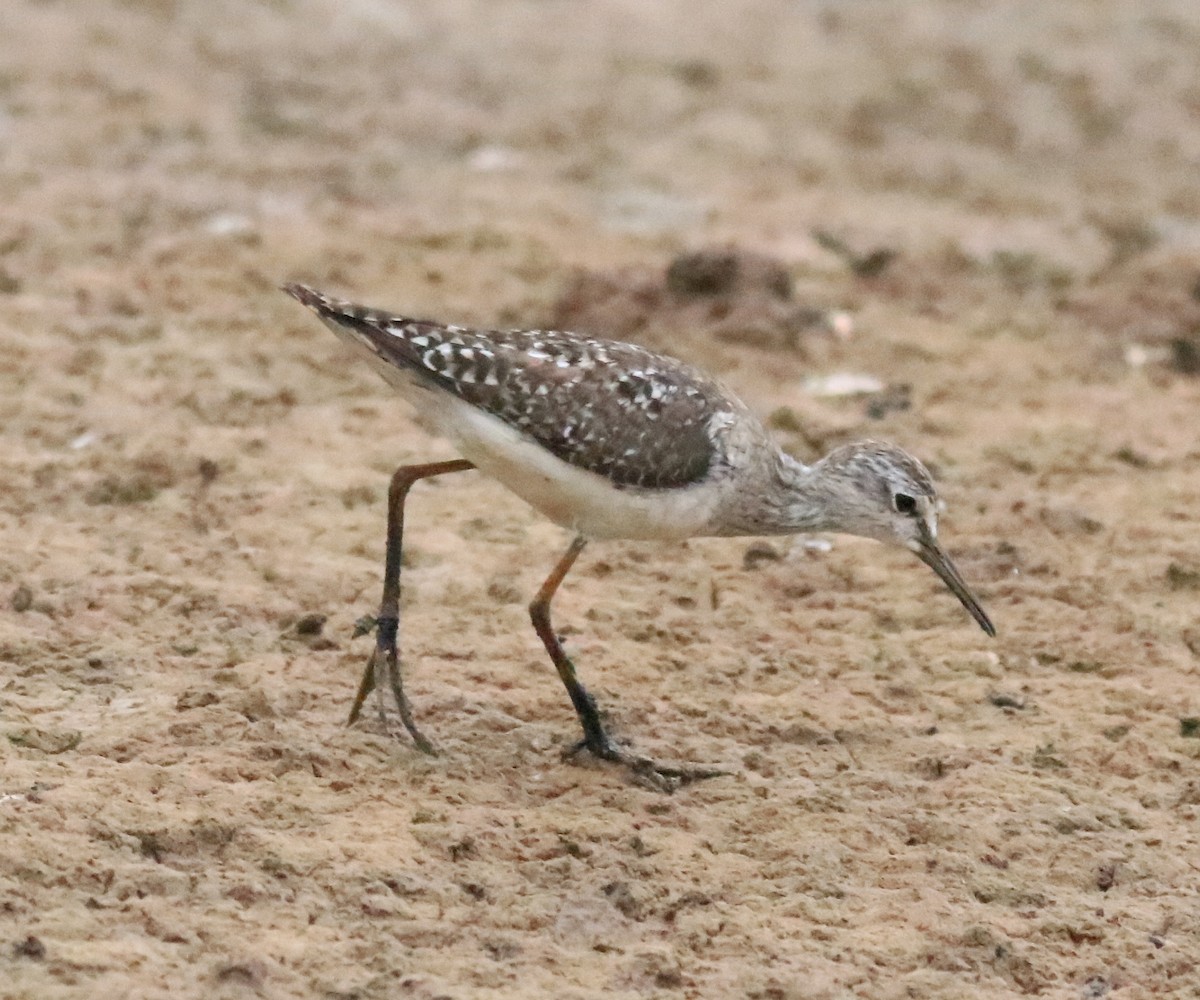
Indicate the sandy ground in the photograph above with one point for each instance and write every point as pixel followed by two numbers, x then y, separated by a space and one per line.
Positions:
pixel 190 466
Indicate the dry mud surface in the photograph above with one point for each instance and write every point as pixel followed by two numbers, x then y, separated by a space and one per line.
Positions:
pixel 998 203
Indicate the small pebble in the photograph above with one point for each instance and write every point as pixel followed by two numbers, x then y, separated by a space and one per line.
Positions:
pixel 22 599
pixel 311 624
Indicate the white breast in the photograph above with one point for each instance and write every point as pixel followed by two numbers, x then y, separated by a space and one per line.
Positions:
pixel 574 498
pixel 582 501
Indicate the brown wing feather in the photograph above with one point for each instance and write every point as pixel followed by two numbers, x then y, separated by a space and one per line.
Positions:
pixel 638 418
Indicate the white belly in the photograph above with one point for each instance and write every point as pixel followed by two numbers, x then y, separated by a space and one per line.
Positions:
pixel 582 501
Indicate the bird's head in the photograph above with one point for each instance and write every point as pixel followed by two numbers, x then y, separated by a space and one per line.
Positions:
pixel 880 491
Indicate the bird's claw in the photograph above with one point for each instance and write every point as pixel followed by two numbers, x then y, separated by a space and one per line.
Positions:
pixel 643 771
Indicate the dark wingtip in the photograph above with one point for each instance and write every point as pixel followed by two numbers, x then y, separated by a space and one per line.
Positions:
pixel 988 627
pixel 302 293
pixel 337 311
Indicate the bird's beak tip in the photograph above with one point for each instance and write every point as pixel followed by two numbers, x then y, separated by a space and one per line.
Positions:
pixel 932 555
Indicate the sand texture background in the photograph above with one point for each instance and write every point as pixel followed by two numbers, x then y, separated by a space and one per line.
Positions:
pixel 991 209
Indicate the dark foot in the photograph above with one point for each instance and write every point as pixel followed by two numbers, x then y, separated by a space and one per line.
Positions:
pixel 383 673
pixel 392 673
pixel 642 770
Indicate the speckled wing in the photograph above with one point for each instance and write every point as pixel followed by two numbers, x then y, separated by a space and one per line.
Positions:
pixel 637 418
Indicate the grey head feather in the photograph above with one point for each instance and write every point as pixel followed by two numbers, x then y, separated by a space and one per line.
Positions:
pixel 880 491
pixel 876 490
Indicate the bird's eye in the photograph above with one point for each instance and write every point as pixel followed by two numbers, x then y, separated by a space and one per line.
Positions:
pixel 904 503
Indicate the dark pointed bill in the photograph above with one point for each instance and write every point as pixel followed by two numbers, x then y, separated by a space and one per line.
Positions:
pixel 932 556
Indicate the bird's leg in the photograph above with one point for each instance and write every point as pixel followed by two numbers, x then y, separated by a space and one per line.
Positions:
pixel 595 738
pixel 383 668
